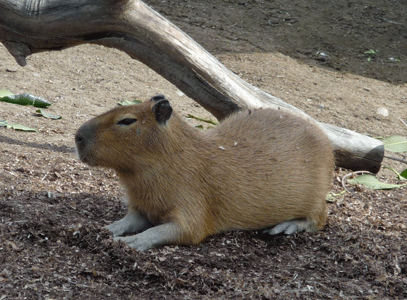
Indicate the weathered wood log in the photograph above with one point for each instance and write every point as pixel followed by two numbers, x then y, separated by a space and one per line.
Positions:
pixel 28 27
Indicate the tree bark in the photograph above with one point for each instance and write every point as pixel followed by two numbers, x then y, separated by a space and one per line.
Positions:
pixel 28 27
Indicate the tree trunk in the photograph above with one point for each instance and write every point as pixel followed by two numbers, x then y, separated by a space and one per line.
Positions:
pixel 28 27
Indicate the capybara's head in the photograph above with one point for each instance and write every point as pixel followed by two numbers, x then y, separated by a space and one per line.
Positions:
pixel 118 137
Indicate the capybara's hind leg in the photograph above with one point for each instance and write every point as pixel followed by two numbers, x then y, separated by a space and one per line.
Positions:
pixel 291 227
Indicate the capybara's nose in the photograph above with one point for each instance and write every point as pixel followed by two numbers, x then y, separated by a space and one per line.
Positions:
pixel 83 135
pixel 79 139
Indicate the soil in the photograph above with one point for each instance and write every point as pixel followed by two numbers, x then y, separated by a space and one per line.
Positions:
pixel 53 207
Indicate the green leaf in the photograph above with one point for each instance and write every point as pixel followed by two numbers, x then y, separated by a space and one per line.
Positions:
pixel 47 115
pixel 399 176
pixel 25 99
pixel 395 143
pixel 371 182
pixel 22 127
pixel 371 52
pixel 127 102
pixel 404 173
pixel 4 93
pixel 16 126
pixel 202 120
pixel 332 197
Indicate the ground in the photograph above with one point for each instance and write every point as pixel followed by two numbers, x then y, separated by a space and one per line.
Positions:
pixel 310 54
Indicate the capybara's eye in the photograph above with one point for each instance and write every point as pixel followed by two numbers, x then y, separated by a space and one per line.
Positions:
pixel 126 122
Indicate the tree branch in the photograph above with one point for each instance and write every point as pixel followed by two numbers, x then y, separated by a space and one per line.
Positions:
pixel 28 27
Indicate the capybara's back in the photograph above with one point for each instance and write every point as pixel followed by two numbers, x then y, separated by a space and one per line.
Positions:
pixel 263 169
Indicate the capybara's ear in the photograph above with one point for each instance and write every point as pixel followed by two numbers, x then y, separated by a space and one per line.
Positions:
pixel 162 111
pixel 157 98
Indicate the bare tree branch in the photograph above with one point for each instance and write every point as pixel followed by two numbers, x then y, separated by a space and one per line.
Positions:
pixel 28 27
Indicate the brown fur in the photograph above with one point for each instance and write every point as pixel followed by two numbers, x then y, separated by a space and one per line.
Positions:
pixel 254 170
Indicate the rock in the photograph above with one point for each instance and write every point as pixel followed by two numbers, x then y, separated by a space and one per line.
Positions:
pixel 383 112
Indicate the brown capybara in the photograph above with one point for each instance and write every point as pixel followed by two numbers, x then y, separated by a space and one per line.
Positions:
pixel 263 169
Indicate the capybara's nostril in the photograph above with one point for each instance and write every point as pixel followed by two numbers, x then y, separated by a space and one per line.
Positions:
pixel 79 139
pixel 83 134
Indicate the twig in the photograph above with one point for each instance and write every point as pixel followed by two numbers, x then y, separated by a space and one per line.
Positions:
pixel 44 176
pixel 345 177
pixel 397 159
pixel 402 121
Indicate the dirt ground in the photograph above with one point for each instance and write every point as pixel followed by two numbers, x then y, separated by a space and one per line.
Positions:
pixel 53 207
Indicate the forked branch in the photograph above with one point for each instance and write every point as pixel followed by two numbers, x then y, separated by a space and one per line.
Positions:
pixel 28 27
